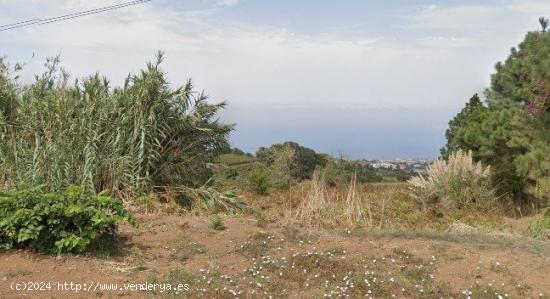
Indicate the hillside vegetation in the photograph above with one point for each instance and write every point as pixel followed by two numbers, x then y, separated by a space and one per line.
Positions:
pixel 138 177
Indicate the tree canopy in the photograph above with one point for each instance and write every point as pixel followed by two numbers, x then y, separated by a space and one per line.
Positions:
pixel 300 161
pixel 511 130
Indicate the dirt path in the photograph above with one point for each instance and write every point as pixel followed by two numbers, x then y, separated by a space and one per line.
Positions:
pixel 247 261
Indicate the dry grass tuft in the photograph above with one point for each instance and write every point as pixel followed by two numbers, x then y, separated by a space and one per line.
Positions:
pixel 354 208
pixel 456 182
pixel 310 210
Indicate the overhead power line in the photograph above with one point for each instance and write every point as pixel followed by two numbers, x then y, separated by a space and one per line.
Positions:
pixel 69 16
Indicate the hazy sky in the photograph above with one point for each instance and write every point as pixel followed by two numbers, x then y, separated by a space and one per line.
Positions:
pixel 363 78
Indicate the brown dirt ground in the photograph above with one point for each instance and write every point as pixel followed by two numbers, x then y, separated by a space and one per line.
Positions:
pixel 147 253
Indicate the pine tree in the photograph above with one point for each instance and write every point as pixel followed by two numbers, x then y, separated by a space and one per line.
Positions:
pixel 457 122
pixel 512 132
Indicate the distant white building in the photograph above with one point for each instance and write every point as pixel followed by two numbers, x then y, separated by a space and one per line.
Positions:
pixel 385 165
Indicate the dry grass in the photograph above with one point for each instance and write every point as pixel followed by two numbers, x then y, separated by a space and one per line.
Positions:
pixel 310 210
pixel 456 182
pixel 314 206
pixel 354 205
pixel 388 206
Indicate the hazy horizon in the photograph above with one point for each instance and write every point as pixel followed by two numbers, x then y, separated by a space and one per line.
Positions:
pixel 365 80
pixel 381 137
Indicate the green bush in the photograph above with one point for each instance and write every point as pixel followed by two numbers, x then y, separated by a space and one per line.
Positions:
pixel 59 222
pixel 258 181
pixel 291 159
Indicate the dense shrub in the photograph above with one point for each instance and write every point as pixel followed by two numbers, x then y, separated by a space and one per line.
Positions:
pixel 258 181
pixel 456 182
pixel 300 163
pixel 60 222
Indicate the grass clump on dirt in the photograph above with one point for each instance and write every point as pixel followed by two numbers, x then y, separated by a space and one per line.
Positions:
pixel 216 222
pixel 295 235
pixel 185 248
pixel 259 244
pixel 540 229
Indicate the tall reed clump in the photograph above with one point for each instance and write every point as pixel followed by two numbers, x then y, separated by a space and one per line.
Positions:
pixel 310 209
pixel 354 208
pixel 133 139
pixel 456 182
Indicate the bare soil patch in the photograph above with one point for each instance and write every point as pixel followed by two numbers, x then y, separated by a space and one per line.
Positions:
pixel 248 261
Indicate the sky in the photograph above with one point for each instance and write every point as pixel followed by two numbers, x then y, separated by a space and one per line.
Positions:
pixel 361 78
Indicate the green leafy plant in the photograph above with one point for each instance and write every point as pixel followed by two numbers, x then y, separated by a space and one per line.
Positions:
pixel 58 222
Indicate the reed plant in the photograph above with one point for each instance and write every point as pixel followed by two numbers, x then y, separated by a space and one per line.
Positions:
pixel 132 139
pixel 310 209
pixel 354 206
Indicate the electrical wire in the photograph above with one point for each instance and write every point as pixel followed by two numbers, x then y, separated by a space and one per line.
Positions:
pixel 69 16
